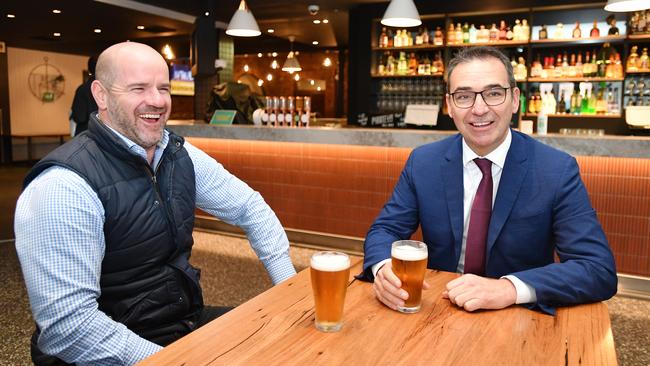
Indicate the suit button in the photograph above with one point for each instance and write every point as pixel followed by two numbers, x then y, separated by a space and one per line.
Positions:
pixel 180 299
pixel 156 203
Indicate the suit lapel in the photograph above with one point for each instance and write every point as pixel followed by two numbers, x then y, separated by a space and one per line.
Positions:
pixel 452 173
pixel 512 177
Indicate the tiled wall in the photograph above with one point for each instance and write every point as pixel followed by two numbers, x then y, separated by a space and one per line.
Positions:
pixel 340 188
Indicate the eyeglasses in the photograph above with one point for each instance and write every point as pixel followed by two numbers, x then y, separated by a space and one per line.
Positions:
pixel 493 96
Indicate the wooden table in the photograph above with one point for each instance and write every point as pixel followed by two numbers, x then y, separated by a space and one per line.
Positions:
pixel 277 328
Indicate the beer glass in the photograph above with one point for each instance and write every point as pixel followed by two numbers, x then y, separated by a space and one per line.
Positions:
pixel 409 262
pixel 329 281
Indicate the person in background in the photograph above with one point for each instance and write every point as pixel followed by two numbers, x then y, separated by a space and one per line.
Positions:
pixel 83 103
pixel 104 224
pixel 494 204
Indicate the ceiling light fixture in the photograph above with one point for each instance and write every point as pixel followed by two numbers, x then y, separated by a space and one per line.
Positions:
pixel 325 21
pixel 97 30
pixel 316 21
pixel 246 68
pixel 242 23
pixel 291 64
pixel 314 43
pixel 626 5
pixel 56 11
pixel 296 77
pixel 260 82
pixel 274 54
pixel 260 55
pixel 140 27
pixel 207 13
pixel 269 77
pixel 327 62
pixel 401 13
pixel 56 34
pixel 270 30
pixel 274 64
pixel 10 16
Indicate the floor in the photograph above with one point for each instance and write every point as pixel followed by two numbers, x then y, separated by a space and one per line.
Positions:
pixel 231 275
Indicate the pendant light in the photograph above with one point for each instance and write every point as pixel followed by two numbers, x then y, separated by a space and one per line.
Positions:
pixel 291 64
pixel 626 5
pixel 401 13
pixel 242 23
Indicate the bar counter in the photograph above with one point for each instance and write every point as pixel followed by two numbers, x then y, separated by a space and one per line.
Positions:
pixel 609 145
pixel 336 180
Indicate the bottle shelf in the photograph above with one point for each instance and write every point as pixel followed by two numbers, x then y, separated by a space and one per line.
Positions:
pixel 559 80
pixel 639 71
pixel 645 36
pixel 567 115
pixel 494 43
pixel 409 48
pixel 436 75
pixel 574 41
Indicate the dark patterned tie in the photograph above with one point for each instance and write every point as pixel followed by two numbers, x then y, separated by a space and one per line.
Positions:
pixel 479 221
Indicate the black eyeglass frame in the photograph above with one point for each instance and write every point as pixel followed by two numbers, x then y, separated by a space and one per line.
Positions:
pixel 481 93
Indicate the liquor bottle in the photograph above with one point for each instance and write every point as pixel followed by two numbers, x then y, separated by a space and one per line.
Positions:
pixel 572 66
pixel 613 29
pixel 282 108
pixel 383 38
pixel 557 72
pixel 521 70
pixel 420 69
pixel 559 31
pixel 509 34
pixel 494 33
pixel 609 66
pixel 502 30
pixel 565 65
pixel 419 39
pixel 543 32
pixel 465 33
pixel 576 101
pixel 536 68
pixel 306 116
pixel 402 64
pixel 472 34
pixel 483 34
pixel 577 33
pixel 451 34
pixel 531 103
pixel 409 38
pixel 593 65
pixel 516 31
pixel 397 40
pixel 644 63
pixel 391 38
pixel 425 36
pixel 438 37
pixel 579 66
pixel 618 67
pixel 290 112
pixel 459 33
pixel 632 63
pixel 381 65
pixel 438 64
pixel 298 115
pixel 525 30
pixel 427 65
pixel 601 103
pixel 595 32
pixel 412 64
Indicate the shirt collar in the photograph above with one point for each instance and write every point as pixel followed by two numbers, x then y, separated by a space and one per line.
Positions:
pixel 139 150
pixel 497 156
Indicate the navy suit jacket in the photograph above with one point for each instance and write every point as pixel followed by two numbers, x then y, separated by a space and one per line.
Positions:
pixel 541 208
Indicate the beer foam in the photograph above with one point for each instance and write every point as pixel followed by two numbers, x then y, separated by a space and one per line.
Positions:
pixel 329 262
pixel 408 253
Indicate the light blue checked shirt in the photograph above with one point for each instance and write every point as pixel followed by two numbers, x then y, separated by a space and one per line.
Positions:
pixel 60 243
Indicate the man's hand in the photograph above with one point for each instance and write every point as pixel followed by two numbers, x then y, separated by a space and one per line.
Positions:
pixel 473 292
pixel 388 288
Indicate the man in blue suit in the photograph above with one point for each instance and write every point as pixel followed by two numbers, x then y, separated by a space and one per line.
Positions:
pixel 539 206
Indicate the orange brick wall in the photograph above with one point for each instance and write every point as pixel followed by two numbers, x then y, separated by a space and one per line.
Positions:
pixel 340 189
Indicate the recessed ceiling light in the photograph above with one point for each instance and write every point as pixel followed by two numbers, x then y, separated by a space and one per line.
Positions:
pixel 97 30
pixel 207 13
pixel 270 30
pixel 56 34
pixel 10 16
pixel 314 43
pixel 140 27
pixel 56 11
pixel 274 54
pixel 260 54
pixel 325 21
pixel 316 21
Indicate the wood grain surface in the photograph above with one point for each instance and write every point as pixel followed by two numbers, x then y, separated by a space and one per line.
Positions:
pixel 277 328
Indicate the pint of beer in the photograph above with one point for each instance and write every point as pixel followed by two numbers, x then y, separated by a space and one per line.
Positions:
pixel 329 280
pixel 409 262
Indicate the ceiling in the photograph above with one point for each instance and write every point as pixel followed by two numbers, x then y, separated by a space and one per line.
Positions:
pixel 168 21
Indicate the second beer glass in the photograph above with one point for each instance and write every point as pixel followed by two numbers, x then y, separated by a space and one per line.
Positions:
pixel 329 280
pixel 409 263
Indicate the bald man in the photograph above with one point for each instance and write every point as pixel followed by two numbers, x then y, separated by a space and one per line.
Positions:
pixel 104 224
